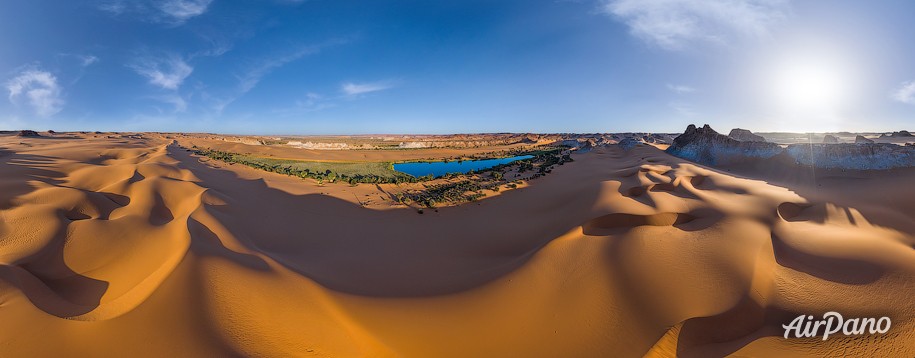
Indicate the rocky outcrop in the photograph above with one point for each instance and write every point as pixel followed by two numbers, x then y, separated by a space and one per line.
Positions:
pixel 862 156
pixel 860 139
pixel 658 138
pixel 830 139
pixel 898 134
pixel 28 133
pixel 571 143
pixel 744 135
pixel 705 145
pixel 629 143
pixel 412 145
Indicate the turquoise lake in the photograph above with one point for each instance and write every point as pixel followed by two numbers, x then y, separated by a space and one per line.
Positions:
pixel 440 168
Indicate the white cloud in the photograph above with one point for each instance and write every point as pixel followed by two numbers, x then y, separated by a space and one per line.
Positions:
pixel 173 12
pixel 87 60
pixel 39 89
pixel 248 80
pixel 115 7
pixel 672 24
pixel 680 89
pixel 905 93
pixel 167 72
pixel 355 89
pixel 181 10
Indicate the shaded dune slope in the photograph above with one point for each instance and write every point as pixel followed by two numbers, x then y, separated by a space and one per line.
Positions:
pixel 118 247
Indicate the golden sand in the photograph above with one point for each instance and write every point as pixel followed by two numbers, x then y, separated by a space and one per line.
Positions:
pixel 136 247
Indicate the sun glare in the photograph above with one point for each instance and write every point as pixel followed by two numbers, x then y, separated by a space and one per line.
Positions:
pixel 809 85
pixel 809 90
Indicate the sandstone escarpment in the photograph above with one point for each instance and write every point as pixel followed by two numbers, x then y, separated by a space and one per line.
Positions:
pixel 744 135
pixel 863 156
pixel 898 134
pixel 705 145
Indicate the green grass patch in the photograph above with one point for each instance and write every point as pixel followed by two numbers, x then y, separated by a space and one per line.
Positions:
pixel 381 169
pixel 349 172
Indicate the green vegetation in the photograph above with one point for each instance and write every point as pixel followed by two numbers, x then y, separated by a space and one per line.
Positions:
pixel 458 192
pixel 349 172
pixel 470 188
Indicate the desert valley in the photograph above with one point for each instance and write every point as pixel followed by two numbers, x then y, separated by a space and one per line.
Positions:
pixel 122 242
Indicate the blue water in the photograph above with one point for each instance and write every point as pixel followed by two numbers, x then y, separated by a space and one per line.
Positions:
pixel 440 168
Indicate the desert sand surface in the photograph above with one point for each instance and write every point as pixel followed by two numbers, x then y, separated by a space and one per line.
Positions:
pixel 137 247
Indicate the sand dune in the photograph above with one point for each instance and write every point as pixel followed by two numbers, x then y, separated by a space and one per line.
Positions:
pixel 136 247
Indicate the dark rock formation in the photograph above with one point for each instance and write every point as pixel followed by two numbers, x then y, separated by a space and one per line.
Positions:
pixel 897 134
pixel 571 143
pixel 744 135
pixel 28 133
pixel 629 143
pixel 830 139
pixel 853 156
pixel 657 138
pixel 860 139
pixel 705 145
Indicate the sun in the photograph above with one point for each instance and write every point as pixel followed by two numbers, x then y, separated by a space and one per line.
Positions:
pixel 809 85
pixel 809 88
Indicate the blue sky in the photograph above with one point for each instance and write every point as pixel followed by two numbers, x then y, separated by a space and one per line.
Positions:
pixel 384 66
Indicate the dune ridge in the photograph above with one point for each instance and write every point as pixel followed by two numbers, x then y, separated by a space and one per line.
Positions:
pixel 137 247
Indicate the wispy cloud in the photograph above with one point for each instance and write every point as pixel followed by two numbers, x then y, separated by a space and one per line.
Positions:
pixel 174 99
pixel 250 78
pixel 905 93
pixel 683 108
pixel 173 12
pixel 680 89
pixel 313 102
pixel 671 24
pixel 38 89
pixel 355 89
pixel 349 91
pixel 181 10
pixel 115 7
pixel 168 72
pixel 87 60
pixel 82 60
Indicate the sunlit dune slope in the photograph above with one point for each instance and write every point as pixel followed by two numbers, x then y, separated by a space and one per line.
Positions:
pixel 134 247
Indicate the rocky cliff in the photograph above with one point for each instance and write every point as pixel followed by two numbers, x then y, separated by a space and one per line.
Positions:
pixel 744 135
pixel 898 134
pixel 705 145
pixel 862 156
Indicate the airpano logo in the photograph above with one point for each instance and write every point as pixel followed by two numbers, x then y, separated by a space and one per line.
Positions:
pixel 833 323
